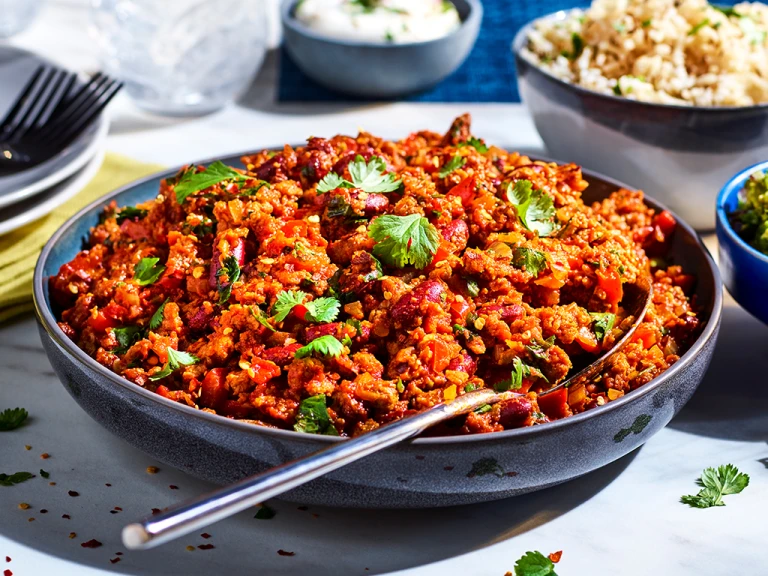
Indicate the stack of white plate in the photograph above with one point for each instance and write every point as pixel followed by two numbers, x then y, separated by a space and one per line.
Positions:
pixel 33 193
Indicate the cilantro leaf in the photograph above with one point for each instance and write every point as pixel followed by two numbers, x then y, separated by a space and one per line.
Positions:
pixel 715 484
pixel 176 360
pixel 17 478
pixel 261 318
pixel 322 310
pixel 371 176
pixel 534 564
pixel 332 181
pixel 265 513
pixel 325 345
pixel 403 240
pixel 453 164
pixel 520 370
pixel 286 300
pixel 603 323
pixel 192 181
pixel 126 337
pixel 534 208
pixel 157 317
pixel 531 260
pixel 147 271
pixel 476 143
pixel 231 270
pixel 130 213
pixel 313 418
pixel 12 418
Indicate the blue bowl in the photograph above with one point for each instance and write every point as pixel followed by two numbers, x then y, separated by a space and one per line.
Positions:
pixel 744 268
pixel 378 69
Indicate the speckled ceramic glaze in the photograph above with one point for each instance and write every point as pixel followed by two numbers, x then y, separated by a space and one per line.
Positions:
pixel 744 269
pixel 379 69
pixel 426 472
pixel 681 155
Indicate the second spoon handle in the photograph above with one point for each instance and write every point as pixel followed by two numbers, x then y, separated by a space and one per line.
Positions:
pixel 189 517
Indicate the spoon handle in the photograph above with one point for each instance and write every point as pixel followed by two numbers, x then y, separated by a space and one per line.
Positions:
pixel 208 509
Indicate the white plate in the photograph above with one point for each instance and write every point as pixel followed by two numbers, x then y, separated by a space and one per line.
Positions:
pixel 42 204
pixel 16 68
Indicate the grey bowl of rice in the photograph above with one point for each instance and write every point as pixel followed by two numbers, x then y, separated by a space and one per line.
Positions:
pixel 671 97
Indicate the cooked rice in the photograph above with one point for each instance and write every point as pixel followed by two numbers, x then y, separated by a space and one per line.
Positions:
pixel 683 52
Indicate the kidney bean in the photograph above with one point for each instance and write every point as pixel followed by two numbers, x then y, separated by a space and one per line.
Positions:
pixel 316 331
pixel 213 393
pixel 201 320
pixel 238 251
pixel 457 233
pixel 281 355
pixel 134 230
pixel 515 413
pixel 273 170
pixel 508 313
pixel 407 307
pixel 375 204
pixel 463 363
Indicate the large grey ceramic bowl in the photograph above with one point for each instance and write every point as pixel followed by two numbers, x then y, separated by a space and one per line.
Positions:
pixel 426 472
pixel 379 69
pixel 681 155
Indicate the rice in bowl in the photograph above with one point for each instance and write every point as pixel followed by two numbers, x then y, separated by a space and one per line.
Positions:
pixel 680 52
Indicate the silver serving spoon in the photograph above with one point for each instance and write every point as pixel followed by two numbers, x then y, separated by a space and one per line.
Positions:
pixel 189 517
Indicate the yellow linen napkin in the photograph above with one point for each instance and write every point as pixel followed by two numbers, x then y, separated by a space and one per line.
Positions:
pixel 19 249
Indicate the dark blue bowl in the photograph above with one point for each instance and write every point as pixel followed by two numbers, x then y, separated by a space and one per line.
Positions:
pixel 680 155
pixel 426 472
pixel 378 69
pixel 744 268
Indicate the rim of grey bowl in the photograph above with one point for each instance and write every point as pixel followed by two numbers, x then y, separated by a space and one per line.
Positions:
pixel 722 216
pixel 522 35
pixel 289 20
pixel 48 321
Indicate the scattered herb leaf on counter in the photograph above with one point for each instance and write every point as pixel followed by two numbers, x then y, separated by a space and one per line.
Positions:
pixel 192 181
pixel 12 418
pixel 157 317
pixel 403 240
pixel 176 360
pixel 532 260
pixel 44 474
pixel 17 478
pixel 230 269
pixel 453 164
pixel 147 271
pixel 325 345
pixel 534 208
pixel 130 213
pixel 602 323
pixel 265 512
pixel 715 484
pixel 313 415
pixel 534 564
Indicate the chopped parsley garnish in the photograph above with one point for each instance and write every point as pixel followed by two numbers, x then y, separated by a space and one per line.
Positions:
pixel 453 164
pixel 12 418
pixel 400 386
pixel 325 346
pixel 538 348
pixel 126 337
pixel 261 318
pixel 470 388
pixel 17 478
pixel 602 323
pixel 403 240
pixel 534 564
pixel 368 176
pixel 699 26
pixel 176 360
pixel 476 143
pixel 578 47
pixel 231 271
pixel 147 271
pixel 318 310
pixel 534 208
pixel 646 23
pixel 483 409
pixel 531 260
pixel 192 181
pixel 472 288
pixel 265 513
pixel 130 213
pixel 157 317
pixel 520 370
pixel 313 418
pixel 715 484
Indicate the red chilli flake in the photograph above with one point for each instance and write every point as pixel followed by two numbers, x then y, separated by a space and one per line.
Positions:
pixel 555 556
pixel 93 543
pixel 206 546
pixel 205 535
pixel 156 511
pixel 303 508
pixel 66 516
pixel 7 573
pixel 173 487
pixel 73 493
pixel 114 560
pixel 286 553
pixel 118 553
pixel 118 508
pixel 7 558
pixel 108 485
pixel 43 511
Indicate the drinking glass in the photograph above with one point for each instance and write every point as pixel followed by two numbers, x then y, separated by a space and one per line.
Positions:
pixel 181 57
pixel 15 15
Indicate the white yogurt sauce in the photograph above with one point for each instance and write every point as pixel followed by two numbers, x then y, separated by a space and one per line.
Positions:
pixel 395 21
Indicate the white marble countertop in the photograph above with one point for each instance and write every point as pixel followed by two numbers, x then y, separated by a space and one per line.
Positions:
pixel 625 519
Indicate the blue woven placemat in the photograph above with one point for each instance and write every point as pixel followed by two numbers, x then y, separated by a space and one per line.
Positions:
pixel 488 75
